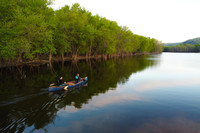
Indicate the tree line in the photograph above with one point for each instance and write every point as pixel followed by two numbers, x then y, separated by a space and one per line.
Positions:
pixel 182 48
pixel 32 30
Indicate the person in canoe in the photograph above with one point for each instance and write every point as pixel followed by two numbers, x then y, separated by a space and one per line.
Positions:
pixel 77 78
pixel 58 82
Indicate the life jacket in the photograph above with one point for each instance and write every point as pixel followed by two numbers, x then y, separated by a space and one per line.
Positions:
pixel 77 79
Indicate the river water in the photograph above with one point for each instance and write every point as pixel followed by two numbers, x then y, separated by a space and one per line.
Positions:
pixel 140 94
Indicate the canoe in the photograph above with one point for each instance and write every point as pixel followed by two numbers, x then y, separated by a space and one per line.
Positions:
pixel 68 86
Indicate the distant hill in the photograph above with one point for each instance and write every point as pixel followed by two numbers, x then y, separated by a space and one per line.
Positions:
pixel 190 41
pixel 193 41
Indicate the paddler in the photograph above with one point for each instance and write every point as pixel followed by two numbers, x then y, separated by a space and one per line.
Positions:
pixel 77 78
pixel 60 81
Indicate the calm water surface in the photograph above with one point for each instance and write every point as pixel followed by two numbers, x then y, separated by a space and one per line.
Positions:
pixel 142 94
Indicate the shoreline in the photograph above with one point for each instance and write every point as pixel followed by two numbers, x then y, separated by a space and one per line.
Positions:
pixel 38 62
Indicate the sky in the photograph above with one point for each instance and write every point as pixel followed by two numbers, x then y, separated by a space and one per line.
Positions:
pixel 166 20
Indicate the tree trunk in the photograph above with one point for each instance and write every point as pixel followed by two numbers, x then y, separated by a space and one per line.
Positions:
pixel 50 64
pixel 90 48
pixel 63 57
pixel 50 57
pixel 19 58
pixel 37 56
pixel 87 56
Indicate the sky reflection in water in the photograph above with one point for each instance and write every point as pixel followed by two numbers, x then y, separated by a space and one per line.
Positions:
pixel 164 98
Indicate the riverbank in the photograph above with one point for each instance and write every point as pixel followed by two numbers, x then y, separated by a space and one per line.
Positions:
pixel 45 60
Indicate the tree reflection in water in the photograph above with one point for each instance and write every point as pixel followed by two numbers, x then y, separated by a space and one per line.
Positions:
pixel 25 103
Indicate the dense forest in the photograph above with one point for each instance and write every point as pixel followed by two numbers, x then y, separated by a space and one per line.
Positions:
pixel 183 48
pixel 31 30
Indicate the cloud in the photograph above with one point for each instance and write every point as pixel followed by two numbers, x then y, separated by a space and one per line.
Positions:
pixel 111 99
pixel 102 100
pixel 174 125
pixel 105 123
pixel 152 85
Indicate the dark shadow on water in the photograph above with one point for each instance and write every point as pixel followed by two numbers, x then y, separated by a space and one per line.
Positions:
pixel 24 101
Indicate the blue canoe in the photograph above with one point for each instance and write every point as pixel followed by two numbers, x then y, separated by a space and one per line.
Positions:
pixel 67 86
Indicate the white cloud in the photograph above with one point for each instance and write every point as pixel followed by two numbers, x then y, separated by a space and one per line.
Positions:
pixel 152 85
pixel 103 100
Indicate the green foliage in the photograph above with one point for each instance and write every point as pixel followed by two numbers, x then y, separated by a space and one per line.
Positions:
pixel 30 29
pixel 27 32
pixel 183 48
